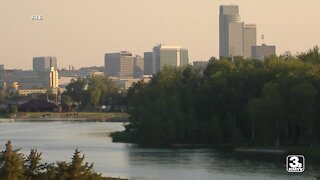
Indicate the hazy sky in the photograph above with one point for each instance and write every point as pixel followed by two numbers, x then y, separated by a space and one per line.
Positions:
pixel 79 32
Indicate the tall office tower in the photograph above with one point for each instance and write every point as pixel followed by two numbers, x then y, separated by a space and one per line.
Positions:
pixel 235 39
pixel 261 52
pixel 41 64
pixel 2 76
pixel 119 64
pixel 230 31
pixel 138 66
pixel 169 55
pixel 53 78
pixel 249 39
pixel 148 63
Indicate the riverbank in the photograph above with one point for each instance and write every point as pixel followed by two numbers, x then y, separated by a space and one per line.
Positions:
pixel 70 116
pixel 261 150
pixel 310 153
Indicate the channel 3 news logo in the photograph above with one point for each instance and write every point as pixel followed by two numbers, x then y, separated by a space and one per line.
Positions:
pixel 295 163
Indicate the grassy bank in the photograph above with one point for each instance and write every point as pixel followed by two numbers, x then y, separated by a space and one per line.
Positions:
pixel 97 116
pixel 4 115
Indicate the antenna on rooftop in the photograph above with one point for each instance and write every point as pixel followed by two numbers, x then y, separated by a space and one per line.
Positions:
pixel 262 38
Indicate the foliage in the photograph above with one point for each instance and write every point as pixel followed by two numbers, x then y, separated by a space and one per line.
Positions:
pixel 67 100
pixel 15 166
pixel 95 91
pixel 236 101
pixel 11 164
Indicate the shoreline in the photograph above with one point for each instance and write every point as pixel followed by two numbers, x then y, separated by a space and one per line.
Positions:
pixel 261 150
pixel 74 116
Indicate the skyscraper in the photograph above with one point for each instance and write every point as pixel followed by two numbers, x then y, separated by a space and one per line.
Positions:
pixel 230 31
pixel 249 39
pixel 235 38
pixel 119 64
pixel 138 66
pixel 41 64
pixel 169 56
pixel 148 63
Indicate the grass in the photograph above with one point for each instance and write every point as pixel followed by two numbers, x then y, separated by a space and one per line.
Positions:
pixel 4 115
pixel 80 115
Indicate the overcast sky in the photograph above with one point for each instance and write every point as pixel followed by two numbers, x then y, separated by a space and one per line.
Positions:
pixel 79 32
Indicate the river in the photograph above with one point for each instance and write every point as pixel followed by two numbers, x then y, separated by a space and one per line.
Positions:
pixel 57 140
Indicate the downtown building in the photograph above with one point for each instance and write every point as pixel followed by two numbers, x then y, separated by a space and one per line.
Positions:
pixel 138 66
pixel 148 63
pixel 27 79
pixel 123 68
pixel 163 55
pixel 124 65
pixel 235 37
pixel 2 76
pixel 44 76
pixel 263 51
pixel 53 78
pixel 119 64
pixel 44 64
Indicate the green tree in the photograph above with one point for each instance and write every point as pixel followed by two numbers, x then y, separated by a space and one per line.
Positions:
pixel 33 166
pixel 80 171
pixel 67 100
pixel 11 163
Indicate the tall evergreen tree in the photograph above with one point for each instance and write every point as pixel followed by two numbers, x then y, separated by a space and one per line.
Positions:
pixel 11 163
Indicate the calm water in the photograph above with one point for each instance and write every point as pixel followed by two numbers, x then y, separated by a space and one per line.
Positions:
pixel 58 140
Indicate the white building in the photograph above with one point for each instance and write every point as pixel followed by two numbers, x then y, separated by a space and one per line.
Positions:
pixel 53 78
pixel 169 56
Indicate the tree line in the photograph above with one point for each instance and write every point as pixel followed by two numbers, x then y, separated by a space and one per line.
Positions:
pixel 16 166
pixel 93 92
pixel 232 101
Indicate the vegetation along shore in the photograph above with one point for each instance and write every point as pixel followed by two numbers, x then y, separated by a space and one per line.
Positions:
pixel 15 165
pixel 239 102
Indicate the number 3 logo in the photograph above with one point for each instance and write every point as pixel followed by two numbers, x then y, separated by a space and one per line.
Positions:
pixel 295 162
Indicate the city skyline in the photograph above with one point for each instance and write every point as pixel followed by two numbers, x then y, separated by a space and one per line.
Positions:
pixel 80 32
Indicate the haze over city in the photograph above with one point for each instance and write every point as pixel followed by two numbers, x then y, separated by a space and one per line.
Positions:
pixel 80 32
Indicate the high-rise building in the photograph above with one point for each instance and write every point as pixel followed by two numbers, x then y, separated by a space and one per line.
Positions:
pixel 138 66
pixel 229 24
pixel 2 75
pixel 44 64
pixel 169 56
pixel 119 64
pixel 28 79
pixel 249 39
pixel 235 37
pixel 53 78
pixel 260 52
pixel 148 63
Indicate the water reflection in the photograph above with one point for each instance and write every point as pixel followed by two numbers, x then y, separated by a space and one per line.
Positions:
pixel 58 140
